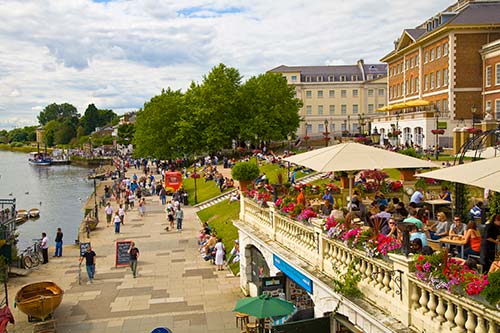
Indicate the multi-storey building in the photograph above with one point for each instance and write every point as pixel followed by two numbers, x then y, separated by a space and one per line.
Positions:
pixel 439 62
pixel 491 82
pixel 343 98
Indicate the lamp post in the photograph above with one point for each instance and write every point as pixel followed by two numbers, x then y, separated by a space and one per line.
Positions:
pixel 325 134
pixel 195 188
pixel 375 136
pixel 306 137
pixel 348 123
pixel 473 110
pixel 436 146
pixel 96 210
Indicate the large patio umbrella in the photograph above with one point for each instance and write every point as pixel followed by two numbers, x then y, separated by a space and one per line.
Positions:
pixel 264 306
pixel 352 157
pixel 484 173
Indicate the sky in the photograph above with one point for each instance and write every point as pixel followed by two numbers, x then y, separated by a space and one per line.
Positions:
pixel 119 54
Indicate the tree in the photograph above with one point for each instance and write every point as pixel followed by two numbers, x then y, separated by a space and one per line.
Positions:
pixel 270 108
pixel 57 112
pixel 125 133
pixel 156 126
pixel 90 119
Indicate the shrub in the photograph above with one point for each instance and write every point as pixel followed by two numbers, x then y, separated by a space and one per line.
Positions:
pixel 246 171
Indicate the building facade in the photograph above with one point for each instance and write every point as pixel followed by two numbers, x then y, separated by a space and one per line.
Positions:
pixel 337 98
pixel 491 79
pixel 440 62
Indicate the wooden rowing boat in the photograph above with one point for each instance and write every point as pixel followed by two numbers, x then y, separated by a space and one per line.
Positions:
pixel 39 299
pixel 22 213
pixel 34 213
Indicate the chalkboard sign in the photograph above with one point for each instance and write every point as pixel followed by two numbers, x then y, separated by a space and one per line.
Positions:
pixel 83 248
pixel 122 255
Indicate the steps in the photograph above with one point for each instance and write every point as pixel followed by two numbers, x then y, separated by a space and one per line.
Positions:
pixel 225 196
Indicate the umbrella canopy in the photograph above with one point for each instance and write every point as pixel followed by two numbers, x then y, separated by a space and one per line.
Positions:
pixel 484 173
pixel 353 156
pixel 264 306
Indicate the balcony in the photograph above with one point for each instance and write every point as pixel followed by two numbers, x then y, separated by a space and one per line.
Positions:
pixel 388 284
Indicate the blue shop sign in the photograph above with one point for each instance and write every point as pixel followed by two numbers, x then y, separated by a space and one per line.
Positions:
pixel 293 274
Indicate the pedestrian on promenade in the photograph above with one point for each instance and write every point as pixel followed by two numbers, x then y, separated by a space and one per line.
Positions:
pixel 117 220
pixel 134 255
pixel 89 256
pixel 220 252
pixel 45 248
pixel 109 213
pixel 142 207
pixel 163 195
pixel 179 216
pixel 121 213
pixel 59 243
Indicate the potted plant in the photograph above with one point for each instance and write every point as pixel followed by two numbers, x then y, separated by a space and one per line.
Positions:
pixel 491 292
pixel 245 173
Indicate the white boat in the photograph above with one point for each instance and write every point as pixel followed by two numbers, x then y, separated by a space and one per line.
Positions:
pixel 37 158
pixel 34 213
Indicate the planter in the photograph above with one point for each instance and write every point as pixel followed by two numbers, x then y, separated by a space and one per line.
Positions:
pixel 344 182
pixel 244 184
pixel 407 174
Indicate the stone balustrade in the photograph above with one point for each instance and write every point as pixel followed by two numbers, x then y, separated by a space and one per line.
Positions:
pixel 387 283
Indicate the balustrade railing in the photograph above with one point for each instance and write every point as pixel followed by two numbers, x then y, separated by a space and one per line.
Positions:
pixel 387 283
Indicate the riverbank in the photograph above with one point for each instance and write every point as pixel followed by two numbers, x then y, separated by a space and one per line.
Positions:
pixel 175 288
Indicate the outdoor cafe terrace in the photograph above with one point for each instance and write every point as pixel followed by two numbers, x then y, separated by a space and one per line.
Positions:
pixel 433 293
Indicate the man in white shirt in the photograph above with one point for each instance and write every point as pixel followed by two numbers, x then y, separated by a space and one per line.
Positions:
pixel 418 197
pixel 109 214
pixel 45 248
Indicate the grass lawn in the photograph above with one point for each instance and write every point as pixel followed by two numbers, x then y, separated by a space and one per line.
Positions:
pixel 204 190
pixel 219 218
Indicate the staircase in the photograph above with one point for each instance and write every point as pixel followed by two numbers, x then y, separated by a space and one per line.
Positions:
pixel 225 196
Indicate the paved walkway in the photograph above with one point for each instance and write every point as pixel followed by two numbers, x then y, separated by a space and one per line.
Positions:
pixel 175 287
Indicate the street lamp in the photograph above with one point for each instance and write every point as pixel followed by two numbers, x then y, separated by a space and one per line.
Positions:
pixel 306 137
pixel 326 137
pixel 436 146
pixel 195 188
pixel 473 110
pixel 375 136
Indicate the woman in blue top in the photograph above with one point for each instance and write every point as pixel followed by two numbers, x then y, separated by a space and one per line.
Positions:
pixel 445 194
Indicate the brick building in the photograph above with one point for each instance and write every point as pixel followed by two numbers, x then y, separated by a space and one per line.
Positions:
pixel 337 98
pixel 439 62
pixel 491 79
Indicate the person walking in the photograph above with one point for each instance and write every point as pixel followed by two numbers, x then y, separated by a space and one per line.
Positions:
pixel 109 213
pixel 142 207
pixel 134 255
pixel 121 213
pixel 89 256
pixel 45 248
pixel 59 243
pixel 220 251
pixel 117 220
pixel 179 216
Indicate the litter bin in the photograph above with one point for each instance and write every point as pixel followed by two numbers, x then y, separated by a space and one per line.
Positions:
pixel 161 330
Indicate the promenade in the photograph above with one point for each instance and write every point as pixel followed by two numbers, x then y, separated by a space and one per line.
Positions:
pixel 175 287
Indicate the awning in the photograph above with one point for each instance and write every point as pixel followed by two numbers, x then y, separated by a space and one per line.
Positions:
pixel 399 106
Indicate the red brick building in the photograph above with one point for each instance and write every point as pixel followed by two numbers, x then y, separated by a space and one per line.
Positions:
pixel 491 79
pixel 440 62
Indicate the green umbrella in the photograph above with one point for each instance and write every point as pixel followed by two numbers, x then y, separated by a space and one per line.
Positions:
pixel 264 306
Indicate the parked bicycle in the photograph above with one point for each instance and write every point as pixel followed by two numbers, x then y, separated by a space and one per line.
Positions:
pixel 32 256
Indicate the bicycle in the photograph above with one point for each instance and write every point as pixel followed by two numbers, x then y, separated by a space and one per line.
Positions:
pixel 31 256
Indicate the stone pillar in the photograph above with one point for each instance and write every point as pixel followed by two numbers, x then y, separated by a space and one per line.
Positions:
pixel 272 213
pixel 401 266
pixel 487 125
pixel 457 140
pixel 242 207
pixel 464 136
pixel 320 243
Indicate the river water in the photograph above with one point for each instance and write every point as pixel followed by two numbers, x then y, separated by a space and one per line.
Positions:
pixel 59 191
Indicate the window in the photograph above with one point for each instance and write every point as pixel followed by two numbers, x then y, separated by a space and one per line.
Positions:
pixel 416 84
pixel 445 49
pixel 488 106
pixel 487 76
pixel 445 105
pixel 308 94
pixel 343 109
pixel 354 127
pixel 343 93
pixel 497 109
pixel 411 62
pixel 354 78
pixel 416 60
pixel 355 93
pixel 355 108
pixel 308 109
pixel 380 106
pixel 343 127
pixel 308 79
pixel 432 80
pixel 407 64
pixel 426 57
pixel 320 110
pixel 331 78
pixel 438 106
pixel 438 52
pixel 332 128
pixel 319 78
pixel 370 92
pixel 320 93
pixel 294 78
pixel 320 128
pixel 445 77
pixel 381 92
pixel 406 89
pixel 432 55
pixel 438 79
pixel 369 77
pixel 331 94
pixel 342 77
pixel 332 109
pixel 426 82
pixel 370 108
pixel 497 74
pixel 410 86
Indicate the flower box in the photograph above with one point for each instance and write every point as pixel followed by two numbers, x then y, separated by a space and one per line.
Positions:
pixel 438 131
pixel 474 130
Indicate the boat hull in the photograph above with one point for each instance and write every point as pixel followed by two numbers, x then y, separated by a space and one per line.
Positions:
pixel 40 299
pixel 34 213
pixel 40 162
pixel 22 214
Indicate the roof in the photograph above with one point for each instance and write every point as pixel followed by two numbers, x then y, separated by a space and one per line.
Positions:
pixel 415 33
pixel 329 70
pixel 478 13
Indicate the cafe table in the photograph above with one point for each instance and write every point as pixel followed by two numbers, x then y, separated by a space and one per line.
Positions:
pixel 453 241
pixel 437 202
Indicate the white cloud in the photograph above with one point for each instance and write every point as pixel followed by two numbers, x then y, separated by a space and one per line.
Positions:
pixel 118 54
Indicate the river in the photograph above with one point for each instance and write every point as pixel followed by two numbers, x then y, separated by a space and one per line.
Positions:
pixel 59 192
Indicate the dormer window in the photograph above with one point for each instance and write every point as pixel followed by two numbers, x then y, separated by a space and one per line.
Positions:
pixel 331 78
pixel 354 78
pixel 308 79
pixel 342 78
pixel 319 78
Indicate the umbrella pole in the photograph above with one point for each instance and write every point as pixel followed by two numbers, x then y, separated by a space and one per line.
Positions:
pixel 350 176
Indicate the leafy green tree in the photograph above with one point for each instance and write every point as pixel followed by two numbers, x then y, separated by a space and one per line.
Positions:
pixel 270 108
pixel 90 119
pixel 125 133
pixel 156 126
pixel 64 132
pixel 57 112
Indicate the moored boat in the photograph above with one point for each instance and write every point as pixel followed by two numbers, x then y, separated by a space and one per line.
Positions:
pixel 34 213
pixel 20 220
pixel 37 158
pixel 39 299
pixel 22 214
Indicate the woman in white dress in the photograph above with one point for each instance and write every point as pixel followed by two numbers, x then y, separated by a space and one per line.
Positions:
pixel 219 254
